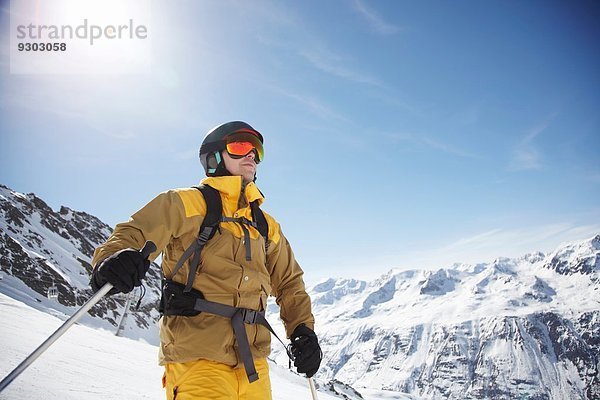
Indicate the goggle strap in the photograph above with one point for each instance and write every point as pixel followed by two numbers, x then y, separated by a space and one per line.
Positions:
pixel 218 159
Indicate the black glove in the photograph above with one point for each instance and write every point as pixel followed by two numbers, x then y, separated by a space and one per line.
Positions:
pixel 306 350
pixel 124 270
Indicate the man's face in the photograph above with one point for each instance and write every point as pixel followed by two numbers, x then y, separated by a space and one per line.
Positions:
pixel 245 166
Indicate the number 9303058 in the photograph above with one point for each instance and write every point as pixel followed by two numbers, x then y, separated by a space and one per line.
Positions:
pixel 42 46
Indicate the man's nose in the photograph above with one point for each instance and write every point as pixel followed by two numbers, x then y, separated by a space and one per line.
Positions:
pixel 251 155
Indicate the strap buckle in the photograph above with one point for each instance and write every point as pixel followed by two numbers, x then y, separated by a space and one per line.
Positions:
pixel 204 235
pixel 249 316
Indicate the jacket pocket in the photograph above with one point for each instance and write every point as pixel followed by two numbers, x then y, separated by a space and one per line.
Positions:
pixel 262 336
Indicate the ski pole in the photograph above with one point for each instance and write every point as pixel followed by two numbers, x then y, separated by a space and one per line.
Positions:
pixel 148 248
pixel 313 389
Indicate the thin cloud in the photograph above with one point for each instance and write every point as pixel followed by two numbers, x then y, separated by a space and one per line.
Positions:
pixel 516 242
pixel 311 48
pixel 334 65
pixel 396 100
pixel 375 21
pixel 492 244
pixel 324 60
pixel 474 240
pixel 526 155
pixel 503 238
pixel 312 103
pixel 426 141
pixel 449 149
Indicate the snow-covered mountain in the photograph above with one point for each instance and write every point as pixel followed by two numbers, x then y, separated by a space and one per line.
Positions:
pixel 511 329
pixel 42 249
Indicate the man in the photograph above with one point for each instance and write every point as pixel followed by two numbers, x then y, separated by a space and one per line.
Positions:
pixel 214 339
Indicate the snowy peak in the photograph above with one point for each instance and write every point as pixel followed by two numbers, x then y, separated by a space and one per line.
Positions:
pixel 582 258
pixel 541 291
pixel 438 283
pixel 331 290
pixel 461 292
pixel 31 218
pixel 42 251
pixel 85 228
pixel 384 293
pixel 31 238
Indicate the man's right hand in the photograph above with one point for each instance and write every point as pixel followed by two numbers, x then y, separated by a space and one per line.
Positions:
pixel 124 270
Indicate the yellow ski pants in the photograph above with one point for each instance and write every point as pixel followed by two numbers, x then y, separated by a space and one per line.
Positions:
pixel 209 380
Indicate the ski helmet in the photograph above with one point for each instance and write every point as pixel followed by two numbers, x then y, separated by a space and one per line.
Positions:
pixel 215 142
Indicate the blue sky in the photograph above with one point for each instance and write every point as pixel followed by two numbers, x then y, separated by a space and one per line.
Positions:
pixel 397 134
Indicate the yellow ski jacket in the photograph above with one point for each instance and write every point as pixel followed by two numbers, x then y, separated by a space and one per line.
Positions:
pixel 172 221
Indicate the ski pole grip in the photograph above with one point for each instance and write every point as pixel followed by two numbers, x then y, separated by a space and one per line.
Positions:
pixel 149 248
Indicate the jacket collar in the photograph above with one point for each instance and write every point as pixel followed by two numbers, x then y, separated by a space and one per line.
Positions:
pixel 231 189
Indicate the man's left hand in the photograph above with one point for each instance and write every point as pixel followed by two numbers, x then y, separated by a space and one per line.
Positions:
pixel 306 350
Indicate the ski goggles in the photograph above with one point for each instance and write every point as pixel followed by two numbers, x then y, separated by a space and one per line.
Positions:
pixel 239 144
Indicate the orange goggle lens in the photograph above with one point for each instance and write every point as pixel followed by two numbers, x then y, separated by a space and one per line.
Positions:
pixel 241 143
pixel 239 148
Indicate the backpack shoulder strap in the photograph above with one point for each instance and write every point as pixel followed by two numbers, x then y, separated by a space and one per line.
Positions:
pixel 214 210
pixel 208 228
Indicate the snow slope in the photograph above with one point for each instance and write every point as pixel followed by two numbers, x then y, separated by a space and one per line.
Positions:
pixel 87 363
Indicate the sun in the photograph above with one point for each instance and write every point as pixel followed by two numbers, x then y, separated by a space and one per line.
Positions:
pixel 99 36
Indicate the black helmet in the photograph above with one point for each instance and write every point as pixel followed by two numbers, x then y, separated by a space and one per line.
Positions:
pixel 215 142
